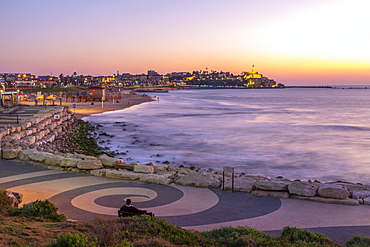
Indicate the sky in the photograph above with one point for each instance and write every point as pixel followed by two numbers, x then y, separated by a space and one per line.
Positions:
pixel 294 42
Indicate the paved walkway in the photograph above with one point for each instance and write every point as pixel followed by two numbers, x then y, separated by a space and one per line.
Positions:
pixel 81 197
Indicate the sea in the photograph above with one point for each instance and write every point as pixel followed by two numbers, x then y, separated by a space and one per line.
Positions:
pixel 295 133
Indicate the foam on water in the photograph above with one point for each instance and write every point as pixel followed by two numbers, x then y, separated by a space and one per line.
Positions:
pixel 296 133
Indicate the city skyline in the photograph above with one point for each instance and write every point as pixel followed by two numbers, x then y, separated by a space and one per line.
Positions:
pixel 293 42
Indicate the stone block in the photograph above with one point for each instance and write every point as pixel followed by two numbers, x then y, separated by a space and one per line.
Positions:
pixel 89 164
pixel 143 169
pixel 303 189
pixel 271 185
pixel 53 159
pixel 109 161
pixel 333 191
pixel 359 194
pixel 278 194
pixel 240 184
pixel 125 175
pixel 11 153
pixel 37 156
pixel 69 162
pixel 155 179
pixel 198 180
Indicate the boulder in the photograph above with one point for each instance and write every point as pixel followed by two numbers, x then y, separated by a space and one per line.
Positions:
pixel 347 201
pixel 125 166
pixel 366 201
pixel 198 180
pixel 240 184
pixel 11 153
pixel 29 140
pixel 303 188
pixel 69 162
pixel 271 185
pixel 333 191
pixel 37 156
pixel 125 175
pixel 89 164
pixel 278 194
pixel 53 159
pixel 14 198
pixel 155 179
pixel 143 169
pixel 109 161
pixel 359 194
pixel 99 173
pixel 23 154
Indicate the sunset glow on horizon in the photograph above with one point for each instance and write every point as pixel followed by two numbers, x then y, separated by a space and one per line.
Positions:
pixel 293 42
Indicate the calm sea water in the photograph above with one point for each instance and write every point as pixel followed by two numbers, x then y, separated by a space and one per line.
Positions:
pixel 319 134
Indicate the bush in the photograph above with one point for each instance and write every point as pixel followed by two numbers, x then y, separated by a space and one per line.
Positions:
pixel 300 236
pixel 4 201
pixel 72 240
pixel 239 236
pixel 358 241
pixel 43 209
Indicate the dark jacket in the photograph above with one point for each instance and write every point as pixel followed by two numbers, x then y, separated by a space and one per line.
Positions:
pixel 129 208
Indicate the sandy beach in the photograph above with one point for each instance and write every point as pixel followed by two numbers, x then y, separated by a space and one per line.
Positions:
pixel 84 109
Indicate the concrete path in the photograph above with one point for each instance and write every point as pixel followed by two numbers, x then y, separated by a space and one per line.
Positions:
pixel 82 197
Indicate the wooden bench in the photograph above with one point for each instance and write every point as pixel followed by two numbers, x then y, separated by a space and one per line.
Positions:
pixel 128 214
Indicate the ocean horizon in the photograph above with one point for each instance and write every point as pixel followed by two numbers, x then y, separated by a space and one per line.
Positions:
pixel 296 133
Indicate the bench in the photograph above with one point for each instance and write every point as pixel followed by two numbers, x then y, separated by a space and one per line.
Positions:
pixel 128 214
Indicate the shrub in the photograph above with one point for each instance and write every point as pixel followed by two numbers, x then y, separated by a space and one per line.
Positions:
pixel 4 201
pixel 43 209
pixel 358 241
pixel 300 236
pixel 72 240
pixel 239 236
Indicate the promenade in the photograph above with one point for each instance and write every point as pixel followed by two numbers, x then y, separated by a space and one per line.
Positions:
pixel 82 196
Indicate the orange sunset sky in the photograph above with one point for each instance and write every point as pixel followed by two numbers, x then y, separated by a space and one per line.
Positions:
pixel 310 42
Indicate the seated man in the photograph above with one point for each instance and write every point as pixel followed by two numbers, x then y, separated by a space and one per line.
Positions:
pixel 128 207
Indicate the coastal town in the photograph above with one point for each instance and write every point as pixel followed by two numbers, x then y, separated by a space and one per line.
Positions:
pixel 196 79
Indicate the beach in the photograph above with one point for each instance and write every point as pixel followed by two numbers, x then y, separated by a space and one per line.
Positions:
pixel 84 109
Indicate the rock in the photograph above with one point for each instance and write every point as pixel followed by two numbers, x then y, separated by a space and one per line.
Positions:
pixel 69 162
pixel 14 198
pixel 303 189
pixel 37 156
pixel 347 201
pixel 278 194
pixel 125 175
pixel 124 165
pixel 23 154
pixel 198 180
pixel 109 161
pixel 11 153
pixel 160 168
pixel 271 185
pixel 99 173
pixel 155 179
pixel 333 191
pixel 240 184
pixel 366 201
pixel 143 169
pixel 89 164
pixel 52 159
pixel 359 194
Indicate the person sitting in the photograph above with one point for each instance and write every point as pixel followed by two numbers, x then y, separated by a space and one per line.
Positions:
pixel 128 207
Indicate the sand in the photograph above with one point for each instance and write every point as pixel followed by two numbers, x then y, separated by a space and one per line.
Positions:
pixel 84 109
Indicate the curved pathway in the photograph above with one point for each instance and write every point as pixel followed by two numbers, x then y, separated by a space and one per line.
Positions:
pixel 82 197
